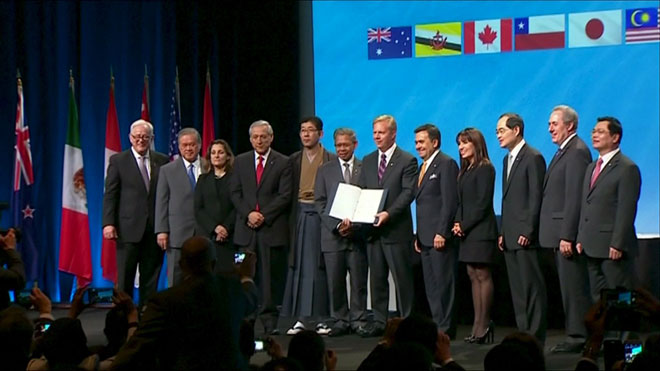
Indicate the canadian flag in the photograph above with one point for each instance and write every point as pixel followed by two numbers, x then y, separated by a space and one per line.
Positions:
pixel 489 36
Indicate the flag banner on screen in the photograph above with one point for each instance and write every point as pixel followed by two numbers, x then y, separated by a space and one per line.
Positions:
pixel 438 39
pixel 490 36
pixel 22 206
pixel 594 29
pixel 112 146
pixel 75 251
pixel 175 122
pixel 539 32
pixel 643 25
pixel 208 127
pixel 389 42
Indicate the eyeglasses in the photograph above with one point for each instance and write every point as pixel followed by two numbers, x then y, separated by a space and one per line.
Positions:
pixel 141 137
pixel 308 131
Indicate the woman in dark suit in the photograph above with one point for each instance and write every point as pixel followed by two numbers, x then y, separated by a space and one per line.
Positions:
pixel 214 212
pixel 476 226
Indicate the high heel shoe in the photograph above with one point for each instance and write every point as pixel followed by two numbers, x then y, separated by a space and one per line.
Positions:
pixel 488 337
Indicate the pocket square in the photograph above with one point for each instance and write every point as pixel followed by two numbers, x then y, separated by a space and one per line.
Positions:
pixel 433 176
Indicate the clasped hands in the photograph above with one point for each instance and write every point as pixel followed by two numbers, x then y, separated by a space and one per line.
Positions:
pixel 255 219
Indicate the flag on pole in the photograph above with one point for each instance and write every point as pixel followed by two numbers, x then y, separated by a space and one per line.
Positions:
pixel 24 211
pixel 112 146
pixel 144 108
pixel 75 251
pixel 208 133
pixel 175 121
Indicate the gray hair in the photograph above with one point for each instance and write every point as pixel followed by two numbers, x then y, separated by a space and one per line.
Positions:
pixel 568 114
pixel 189 131
pixel 345 131
pixel 269 129
pixel 145 123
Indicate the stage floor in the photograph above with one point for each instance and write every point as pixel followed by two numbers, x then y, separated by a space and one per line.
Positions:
pixel 352 349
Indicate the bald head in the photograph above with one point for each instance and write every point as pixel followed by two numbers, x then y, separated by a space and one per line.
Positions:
pixel 197 256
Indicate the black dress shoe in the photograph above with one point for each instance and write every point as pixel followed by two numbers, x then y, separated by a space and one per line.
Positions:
pixel 567 347
pixel 370 331
pixel 339 331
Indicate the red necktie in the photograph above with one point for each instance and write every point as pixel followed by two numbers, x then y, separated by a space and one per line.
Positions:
pixel 596 173
pixel 260 171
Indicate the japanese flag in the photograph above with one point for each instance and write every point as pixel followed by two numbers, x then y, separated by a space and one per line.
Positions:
pixel 594 29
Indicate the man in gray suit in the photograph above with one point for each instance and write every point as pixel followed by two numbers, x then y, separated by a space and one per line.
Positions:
pixel 560 214
pixel 261 193
pixel 342 246
pixel 175 212
pixel 436 198
pixel 522 190
pixel 610 192
pixel 390 238
pixel 128 211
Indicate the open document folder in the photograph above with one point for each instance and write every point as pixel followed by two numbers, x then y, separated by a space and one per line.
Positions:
pixel 357 204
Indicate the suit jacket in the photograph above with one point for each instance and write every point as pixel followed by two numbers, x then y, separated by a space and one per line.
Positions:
pixel 399 181
pixel 521 197
pixel 175 205
pixel 562 194
pixel 437 199
pixel 475 204
pixel 607 217
pixel 273 195
pixel 126 203
pixel 213 205
pixel 191 326
pixel 327 180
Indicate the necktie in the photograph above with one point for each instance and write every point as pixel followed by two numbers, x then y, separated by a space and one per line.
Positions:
pixel 421 174
pixel 381 167
pixel 596 172
pixel 347 173
pixel 508 168
pixel 260 169
pixel 142 164
pixel 191 175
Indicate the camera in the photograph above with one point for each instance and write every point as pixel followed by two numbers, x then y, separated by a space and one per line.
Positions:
pixel 99 296
pixel 239 257
pixel 23 298
pixel 630 350
pixel 621 307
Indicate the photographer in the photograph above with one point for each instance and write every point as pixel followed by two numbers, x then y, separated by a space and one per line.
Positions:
pixel 13 277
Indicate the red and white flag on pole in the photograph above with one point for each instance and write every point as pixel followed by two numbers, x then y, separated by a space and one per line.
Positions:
pixel 208 132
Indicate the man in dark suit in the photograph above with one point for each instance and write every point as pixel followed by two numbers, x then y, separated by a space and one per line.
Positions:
pixel 437 200
pixel 342 245
pixel 522 190
pixel 560 213
pixel 195 324
pixel 306 293
pixel 261 193
pixel 175 200
pixel 128 211
pixel 390 238
pixel 610 192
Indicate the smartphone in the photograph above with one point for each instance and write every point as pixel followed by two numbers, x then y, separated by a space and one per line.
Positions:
pixel 239 257
pixel 258 345
pixel 100 295
pixel 23 298
pixel 630 350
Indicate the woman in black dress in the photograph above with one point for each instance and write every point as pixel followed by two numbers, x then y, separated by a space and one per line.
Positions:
pixel 214 213
pixel 476 226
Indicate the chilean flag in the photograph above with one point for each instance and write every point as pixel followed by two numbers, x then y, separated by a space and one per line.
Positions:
pixel 540 32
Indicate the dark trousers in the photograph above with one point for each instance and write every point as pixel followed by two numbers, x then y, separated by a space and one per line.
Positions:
pixel 383 258
pixel 575 297
pixel 337 265
pixel 149 256
pixel 528 291
pixel 439 268
pixel 608 274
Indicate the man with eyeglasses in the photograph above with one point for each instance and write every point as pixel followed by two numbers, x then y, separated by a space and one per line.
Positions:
pixel 610 192
pixel 128 211
pixel 306 293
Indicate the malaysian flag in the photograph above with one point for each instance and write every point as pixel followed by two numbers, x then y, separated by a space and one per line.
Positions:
pixel 175 121
pixel 642 25
pixel 389 42
pixel 24 210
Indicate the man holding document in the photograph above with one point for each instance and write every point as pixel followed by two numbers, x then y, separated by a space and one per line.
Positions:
pixel 390 237
pixel 341 243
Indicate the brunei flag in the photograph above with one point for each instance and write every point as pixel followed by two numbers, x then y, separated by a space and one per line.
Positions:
pixel 437 39
pixel 75 252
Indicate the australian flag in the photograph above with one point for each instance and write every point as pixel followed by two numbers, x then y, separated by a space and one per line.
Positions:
pixel 175 122
pixel 389 42
pixel 24 210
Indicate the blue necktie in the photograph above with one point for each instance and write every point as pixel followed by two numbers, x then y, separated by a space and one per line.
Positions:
pixel 191 175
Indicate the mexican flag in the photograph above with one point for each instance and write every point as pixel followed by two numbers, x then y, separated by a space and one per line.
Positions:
pixel 75 251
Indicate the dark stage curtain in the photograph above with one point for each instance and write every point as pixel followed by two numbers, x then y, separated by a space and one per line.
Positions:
pixel 251 49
